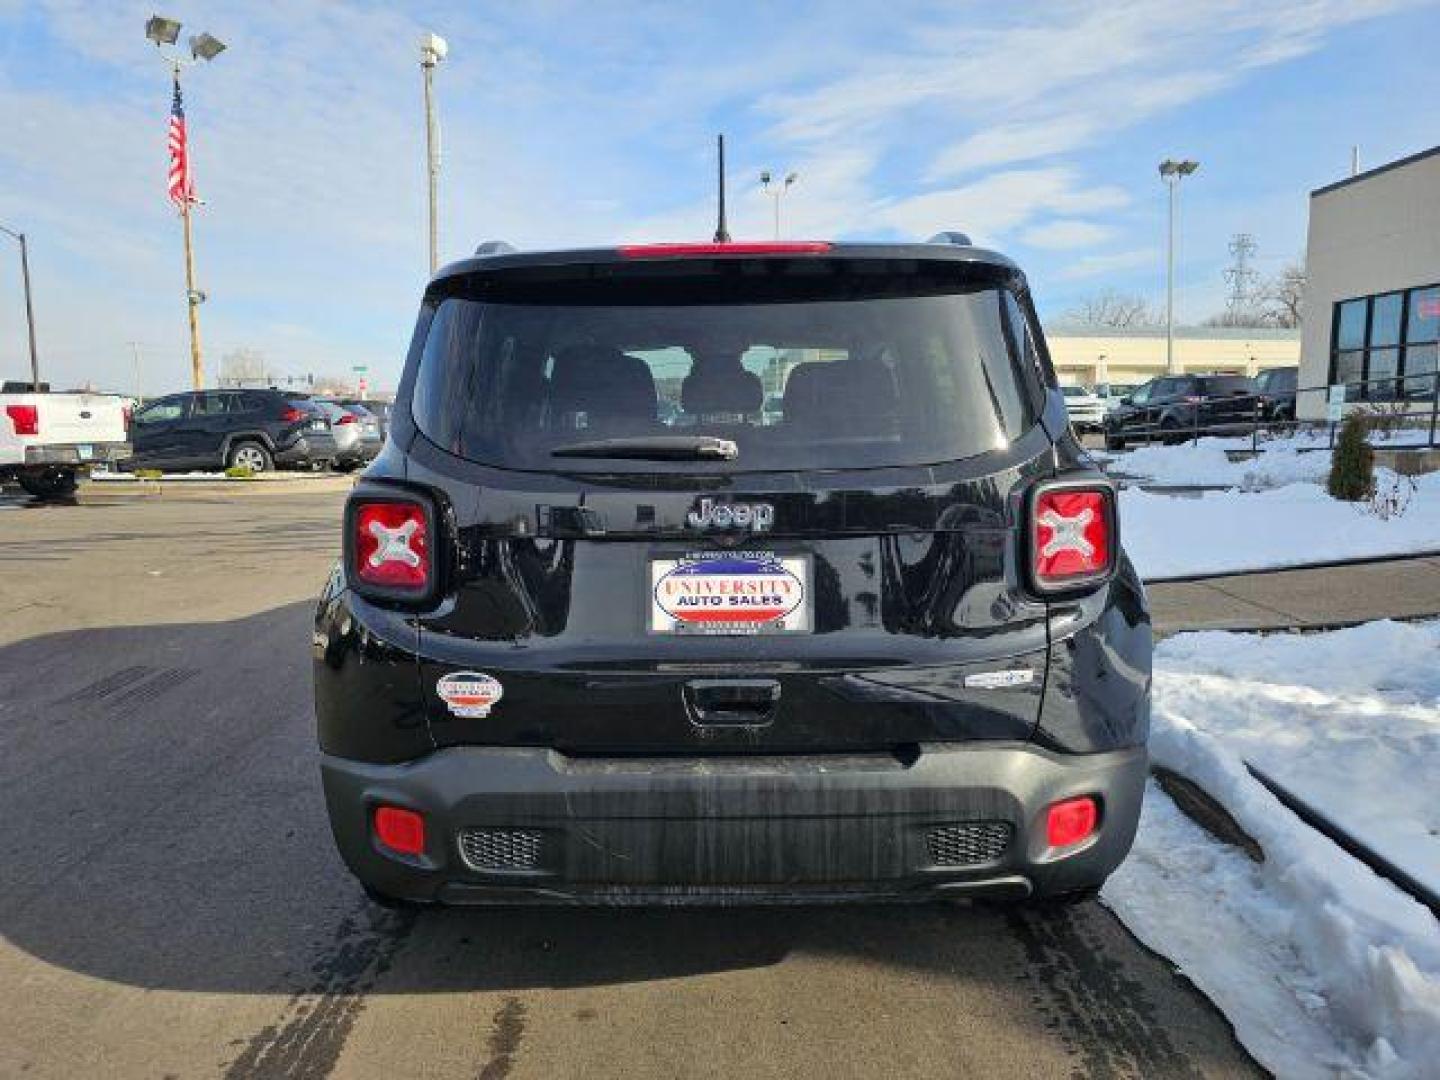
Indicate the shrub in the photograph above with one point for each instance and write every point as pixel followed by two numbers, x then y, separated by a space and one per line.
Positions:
pixel 1352 467
pixel 240 472
pixel 148 474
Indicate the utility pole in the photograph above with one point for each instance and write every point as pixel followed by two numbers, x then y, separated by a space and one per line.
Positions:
pixel 1172 172
pixel 135 357
pixel 433 49
pixel 29 303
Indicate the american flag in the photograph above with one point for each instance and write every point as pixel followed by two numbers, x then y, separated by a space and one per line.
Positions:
pixel 182 185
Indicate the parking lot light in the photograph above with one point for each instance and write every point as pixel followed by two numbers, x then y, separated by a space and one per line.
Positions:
pixel 1172 172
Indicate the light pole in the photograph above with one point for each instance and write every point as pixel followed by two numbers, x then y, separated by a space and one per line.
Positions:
pixel 29 306
pixel 776 189
pixel 433 49
pixel 1172 172
pixel 163 33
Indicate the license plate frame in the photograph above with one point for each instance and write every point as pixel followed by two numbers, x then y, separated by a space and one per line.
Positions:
pixel 730 594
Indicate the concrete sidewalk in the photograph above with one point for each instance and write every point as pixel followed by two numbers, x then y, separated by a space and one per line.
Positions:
pixel 1317 597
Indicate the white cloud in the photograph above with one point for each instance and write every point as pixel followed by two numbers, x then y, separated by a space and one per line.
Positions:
pixel 1007 144
pixel 1065 234
pixel 1099 265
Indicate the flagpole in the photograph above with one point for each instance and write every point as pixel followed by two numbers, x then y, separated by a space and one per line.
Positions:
pixel 192 299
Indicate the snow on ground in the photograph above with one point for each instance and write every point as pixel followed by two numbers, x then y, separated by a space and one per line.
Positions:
pixel 1206 463
pixel 1225 531
pixel 1324 968
pixel 1291 459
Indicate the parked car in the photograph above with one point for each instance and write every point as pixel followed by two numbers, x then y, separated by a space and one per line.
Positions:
pixel 354 446
pixel 372 428
pixel 380 410
pixel 208 429
pixel 1174 408
pixel 1087 411
pixel 48 440
pixel 1277 387
pixel 887 647
pixel 1112 393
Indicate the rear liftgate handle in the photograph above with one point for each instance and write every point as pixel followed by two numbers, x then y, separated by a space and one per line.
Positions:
pixel 732 702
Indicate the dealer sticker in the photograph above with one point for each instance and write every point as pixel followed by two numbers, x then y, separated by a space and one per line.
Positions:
pixel 747 592
pixel 469 693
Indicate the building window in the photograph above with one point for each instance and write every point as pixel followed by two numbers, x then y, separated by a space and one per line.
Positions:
pixel 1383 347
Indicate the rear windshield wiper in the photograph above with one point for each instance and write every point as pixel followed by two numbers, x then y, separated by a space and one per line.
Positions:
pixel 653 448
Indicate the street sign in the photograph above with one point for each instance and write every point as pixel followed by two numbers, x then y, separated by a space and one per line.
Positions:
pixel 360 367
pixel 1335 405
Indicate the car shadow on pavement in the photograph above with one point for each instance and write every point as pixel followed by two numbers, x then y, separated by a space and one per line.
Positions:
pixel 164 828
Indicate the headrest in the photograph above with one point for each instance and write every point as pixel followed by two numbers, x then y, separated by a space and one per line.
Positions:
pixel 721 388
pixel 851 392
pixel 602 382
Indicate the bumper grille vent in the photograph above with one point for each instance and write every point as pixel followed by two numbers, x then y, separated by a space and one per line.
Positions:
pixel 501 849
pixel 968 844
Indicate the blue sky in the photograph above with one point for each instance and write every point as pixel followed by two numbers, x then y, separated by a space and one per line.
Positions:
pixel 1035 127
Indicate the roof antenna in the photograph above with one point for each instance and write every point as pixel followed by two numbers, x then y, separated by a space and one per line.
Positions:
pixel 722 234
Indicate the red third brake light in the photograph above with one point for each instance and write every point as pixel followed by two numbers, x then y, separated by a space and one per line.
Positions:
pixel 1069 822
pixel 764 247
pixel 400 830
pixel 1071 536
pixel 26 418
pixel 391 545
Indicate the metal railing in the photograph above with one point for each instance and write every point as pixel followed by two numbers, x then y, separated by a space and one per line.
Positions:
pixel 1396 404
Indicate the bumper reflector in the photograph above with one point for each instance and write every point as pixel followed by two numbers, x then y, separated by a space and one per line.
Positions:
pixel 1071 821
pixel 400 830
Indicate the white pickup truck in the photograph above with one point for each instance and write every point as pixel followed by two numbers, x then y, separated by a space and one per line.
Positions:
pixel 47 440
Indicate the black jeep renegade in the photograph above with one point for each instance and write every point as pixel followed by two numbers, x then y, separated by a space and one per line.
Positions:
pixel 732 573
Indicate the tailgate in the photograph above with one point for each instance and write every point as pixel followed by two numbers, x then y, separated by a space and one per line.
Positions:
pixel 907 633
pixel 79 418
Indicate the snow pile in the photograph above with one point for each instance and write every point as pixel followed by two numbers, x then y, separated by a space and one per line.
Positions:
pixel 1225 531
pixel 1322 967
pixel 1207 464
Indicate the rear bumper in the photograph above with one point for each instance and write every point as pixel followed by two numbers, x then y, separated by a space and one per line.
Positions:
pixel 306 450
pixel 77 453
pixel 734 829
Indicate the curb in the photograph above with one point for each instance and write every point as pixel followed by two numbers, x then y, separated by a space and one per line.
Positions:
pixel 1353 847
pixel 1361 560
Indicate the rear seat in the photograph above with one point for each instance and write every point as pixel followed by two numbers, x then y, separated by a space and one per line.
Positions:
pixel 842 396
pixel 597 386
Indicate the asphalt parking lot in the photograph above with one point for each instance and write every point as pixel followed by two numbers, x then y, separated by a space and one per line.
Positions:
pixel 171 904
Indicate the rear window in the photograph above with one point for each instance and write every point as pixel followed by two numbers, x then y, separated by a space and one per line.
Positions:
pixel 1227 385
pixel 796 384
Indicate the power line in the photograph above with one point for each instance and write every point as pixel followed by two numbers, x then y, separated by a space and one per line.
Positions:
pixel 1242 277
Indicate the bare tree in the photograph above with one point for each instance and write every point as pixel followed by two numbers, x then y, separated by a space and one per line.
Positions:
pixel 244 366
pixel 1283 296
pixel 1114 309
pixel 1275 303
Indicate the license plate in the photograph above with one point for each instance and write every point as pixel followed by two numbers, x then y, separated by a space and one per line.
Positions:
pixel 317 425
pixel 728 593
pixel 86 451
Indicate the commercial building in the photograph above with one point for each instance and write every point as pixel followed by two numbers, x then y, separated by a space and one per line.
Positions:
pixel 1090 355
pixel 1372 299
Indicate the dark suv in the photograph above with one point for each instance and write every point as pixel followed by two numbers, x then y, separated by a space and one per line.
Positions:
pixel 1178 407
pixel 1277 388
pixel 257 429
pixel 879 642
